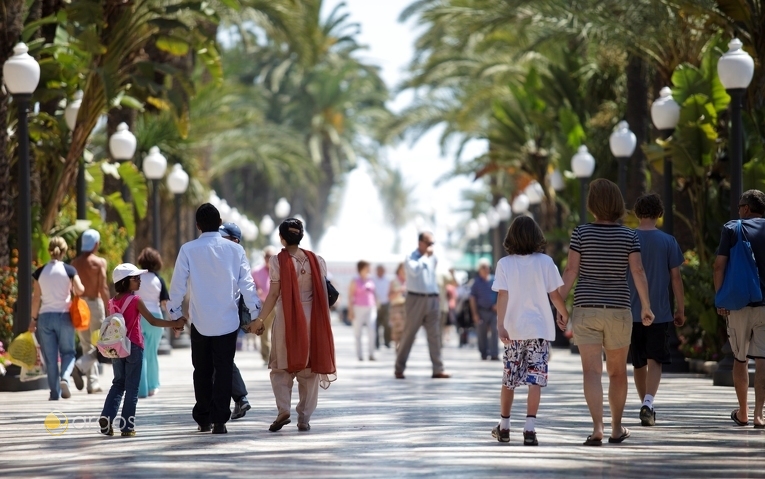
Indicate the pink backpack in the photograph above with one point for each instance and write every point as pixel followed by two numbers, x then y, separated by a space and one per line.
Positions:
pixel 114 342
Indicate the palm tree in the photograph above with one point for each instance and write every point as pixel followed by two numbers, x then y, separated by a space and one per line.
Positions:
pixel 396 195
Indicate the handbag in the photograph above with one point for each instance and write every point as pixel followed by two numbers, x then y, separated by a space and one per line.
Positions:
pixel 741 285
pixel 80 313
pixel 332 294
pixel 245 318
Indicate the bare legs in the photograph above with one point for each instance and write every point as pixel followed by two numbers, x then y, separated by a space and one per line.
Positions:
pixel 647 379
pixel 592 370
pixel 759 390
pixel 532 403
pixel 741 384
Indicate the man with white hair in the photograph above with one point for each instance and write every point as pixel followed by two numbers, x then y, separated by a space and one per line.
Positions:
pixel 262 287
pixel 483 307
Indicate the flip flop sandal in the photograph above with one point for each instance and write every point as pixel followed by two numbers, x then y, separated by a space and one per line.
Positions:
pixel 739 422
pixel 620 439
pixel 593 442
pixel 277 425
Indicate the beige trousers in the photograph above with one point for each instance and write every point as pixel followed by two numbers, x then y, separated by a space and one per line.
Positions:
pixel 308 392
pixel 89 353
pixel 265 338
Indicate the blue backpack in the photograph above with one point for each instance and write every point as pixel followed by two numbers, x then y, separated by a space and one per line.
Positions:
pixel 741 285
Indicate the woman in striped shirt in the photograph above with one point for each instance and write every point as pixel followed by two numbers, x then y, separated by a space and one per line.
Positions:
pixel 599 256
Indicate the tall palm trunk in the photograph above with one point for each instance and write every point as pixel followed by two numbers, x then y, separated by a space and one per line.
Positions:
pixel 11 23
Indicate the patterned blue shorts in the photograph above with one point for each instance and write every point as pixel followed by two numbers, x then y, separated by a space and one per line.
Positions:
pixel 526 363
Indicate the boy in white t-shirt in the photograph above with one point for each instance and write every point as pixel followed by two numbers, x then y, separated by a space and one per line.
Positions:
pixel 526 325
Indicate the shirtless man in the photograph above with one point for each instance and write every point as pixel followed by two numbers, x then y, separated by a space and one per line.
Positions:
pixel 92 272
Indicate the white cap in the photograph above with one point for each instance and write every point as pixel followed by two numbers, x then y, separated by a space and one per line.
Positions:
pixel 126 270
pixel 484 262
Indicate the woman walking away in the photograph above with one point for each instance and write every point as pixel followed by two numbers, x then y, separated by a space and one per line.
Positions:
pixel 53 285
pixel 397 295
pixel 526 325
pixel 127 371
pixel 363 309
pixel 599 255
pixel 154 295
pixel 302 346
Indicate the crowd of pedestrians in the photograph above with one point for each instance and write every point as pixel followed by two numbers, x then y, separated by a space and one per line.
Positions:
pixel 628 293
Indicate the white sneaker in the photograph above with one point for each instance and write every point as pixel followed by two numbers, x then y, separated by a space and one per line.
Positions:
pixel 65 393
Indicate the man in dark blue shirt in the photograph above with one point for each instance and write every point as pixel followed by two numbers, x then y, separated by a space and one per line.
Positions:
pixel 746 327
pixel 483 306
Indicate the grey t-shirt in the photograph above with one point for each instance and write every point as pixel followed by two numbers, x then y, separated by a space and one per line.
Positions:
pixel 660 254
pixel 753 230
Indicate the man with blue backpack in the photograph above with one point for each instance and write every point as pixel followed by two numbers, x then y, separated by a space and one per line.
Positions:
pixel 738 273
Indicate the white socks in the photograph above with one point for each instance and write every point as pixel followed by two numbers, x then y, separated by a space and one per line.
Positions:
pixel 504 422
pixel 648 401
pixel 530 420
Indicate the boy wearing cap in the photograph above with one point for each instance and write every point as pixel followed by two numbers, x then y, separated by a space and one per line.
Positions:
pixel 92 271
pixel 232 232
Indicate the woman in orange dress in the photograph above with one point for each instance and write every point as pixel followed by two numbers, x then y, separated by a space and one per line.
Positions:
pixel 302 345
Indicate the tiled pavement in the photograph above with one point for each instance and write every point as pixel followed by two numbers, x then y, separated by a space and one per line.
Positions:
pixel 369 424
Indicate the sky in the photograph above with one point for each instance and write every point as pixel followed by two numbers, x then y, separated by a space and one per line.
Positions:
pixel 391 46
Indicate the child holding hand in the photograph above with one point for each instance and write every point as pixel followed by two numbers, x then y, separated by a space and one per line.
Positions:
pixel 526 325
pixel 127 371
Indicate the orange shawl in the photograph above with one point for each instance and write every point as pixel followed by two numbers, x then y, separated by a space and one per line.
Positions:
pixel 321 344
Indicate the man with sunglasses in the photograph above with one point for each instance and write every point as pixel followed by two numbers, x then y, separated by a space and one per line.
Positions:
pixel 422 306
pixel 746 327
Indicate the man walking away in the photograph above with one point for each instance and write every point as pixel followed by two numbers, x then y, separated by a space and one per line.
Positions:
pixel 214 271
pixel 483 307
pixel 382 293
pixel 92 271
pixel 746 327
pixel 662 259
pixel 422 306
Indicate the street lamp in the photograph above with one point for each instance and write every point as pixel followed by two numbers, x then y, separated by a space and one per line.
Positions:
pixel 122 143
pixel 622 142
pixel 177 183
pixel 583 165
pixel 472 232
pixel 521 204
pixel 282 208
pixel 154 166
pixel 665 113
pixel 536 194
pixel 267 225
pixel 735 69
pixel 21 74
pixel 556 181
pixel 70 116
pixel 504 210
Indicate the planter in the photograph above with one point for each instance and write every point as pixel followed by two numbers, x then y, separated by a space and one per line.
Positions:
pixel 11 383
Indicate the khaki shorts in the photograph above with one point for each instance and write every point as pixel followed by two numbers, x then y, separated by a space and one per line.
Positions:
pixel 746 331
pixel 611 328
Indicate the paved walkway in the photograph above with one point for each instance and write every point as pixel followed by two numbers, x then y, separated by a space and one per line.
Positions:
pixel 370 425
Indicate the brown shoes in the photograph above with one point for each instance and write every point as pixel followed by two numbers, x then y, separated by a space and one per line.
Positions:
pixel 399 375
pixel 441 376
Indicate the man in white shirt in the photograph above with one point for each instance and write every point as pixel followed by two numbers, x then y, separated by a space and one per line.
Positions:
pixel 382 290
pixel 214 271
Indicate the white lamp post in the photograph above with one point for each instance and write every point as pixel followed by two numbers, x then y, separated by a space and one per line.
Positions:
pixel 282 208
pixel 535 193
pixel 735 69
pixel 154 166
pixel 122 143
pixel 521 204
pixel 21 74
pixel 665 113
pixel 178 183
pixel 504 210
pixel 493 216
pixel 267 225
pixel 623 143
pixel 556 180
pixel 70 117
pixel 583 165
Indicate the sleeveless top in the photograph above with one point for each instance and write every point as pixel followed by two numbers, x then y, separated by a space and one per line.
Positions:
pixel 365 293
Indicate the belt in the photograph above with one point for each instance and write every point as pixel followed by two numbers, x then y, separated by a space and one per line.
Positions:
pixel 599 306
pixel 425 295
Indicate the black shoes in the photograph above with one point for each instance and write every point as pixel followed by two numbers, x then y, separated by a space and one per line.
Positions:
pixel 219 429
pixel 530 438
pixel 204 428
pixel 105 427
pixel 647 416
pixel 77 378
pixel 240 409
pixel 501 435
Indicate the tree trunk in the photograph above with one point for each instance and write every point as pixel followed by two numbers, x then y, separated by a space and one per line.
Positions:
pixel 10 28
pixel 638 117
